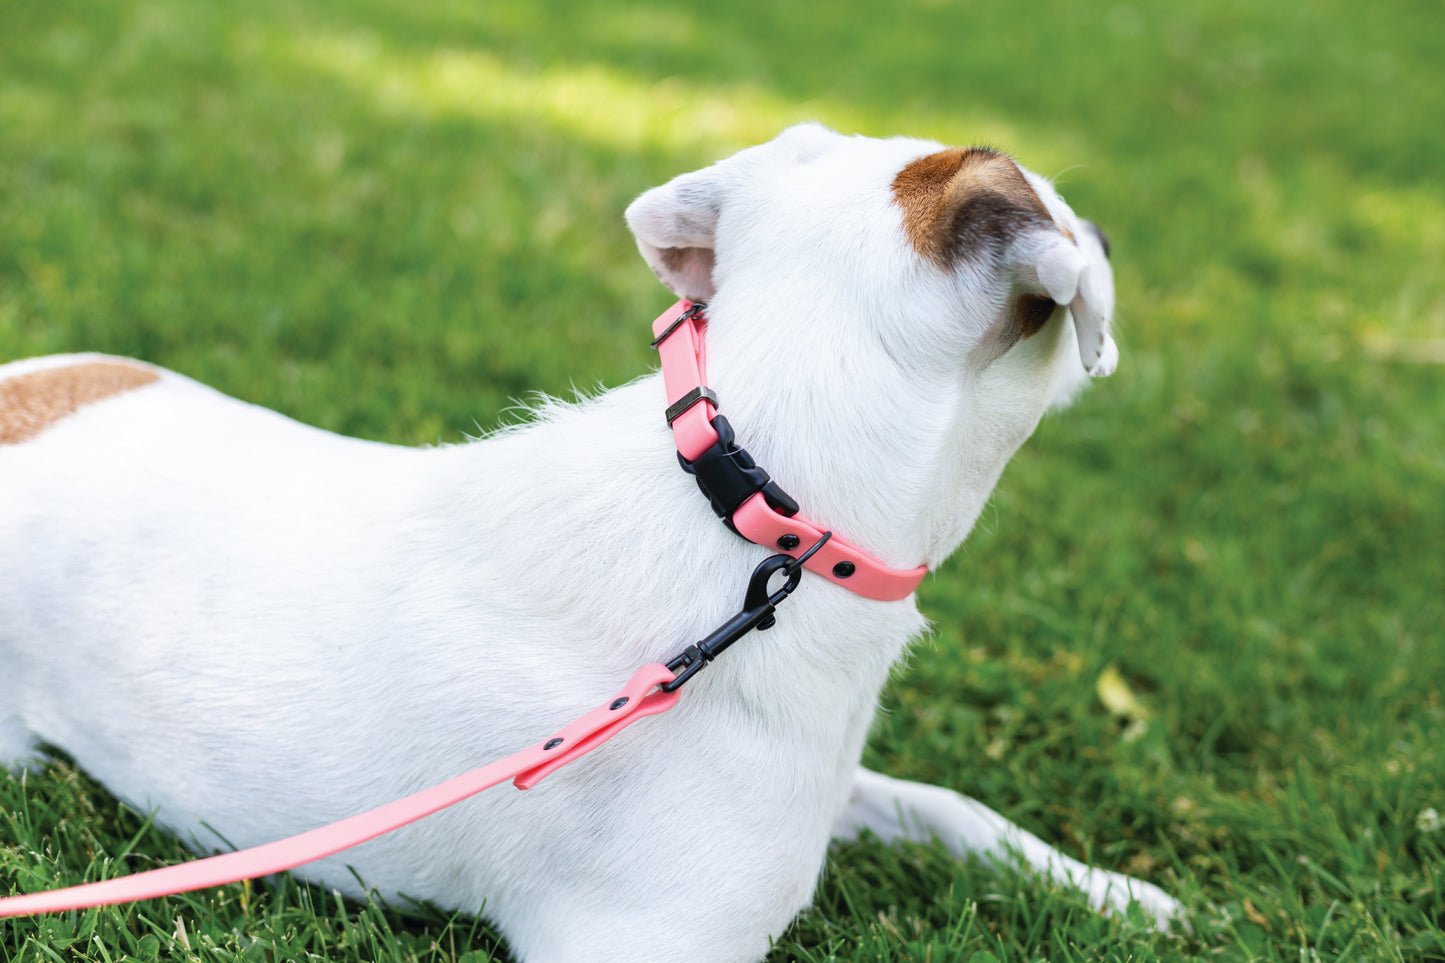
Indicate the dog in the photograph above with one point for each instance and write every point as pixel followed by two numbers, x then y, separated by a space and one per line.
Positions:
pixel 253 627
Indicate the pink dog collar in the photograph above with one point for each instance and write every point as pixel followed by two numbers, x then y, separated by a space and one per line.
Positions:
pixel 767 516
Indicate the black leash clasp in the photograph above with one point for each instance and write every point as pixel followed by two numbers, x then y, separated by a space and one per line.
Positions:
pixel 759 605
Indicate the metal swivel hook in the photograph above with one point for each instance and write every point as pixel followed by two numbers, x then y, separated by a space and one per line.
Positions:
pixel 757 613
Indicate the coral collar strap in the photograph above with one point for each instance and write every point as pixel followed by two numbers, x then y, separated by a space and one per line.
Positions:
pixel 741 492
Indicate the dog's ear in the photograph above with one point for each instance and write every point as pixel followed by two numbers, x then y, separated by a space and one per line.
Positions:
pixel 976 205
pixel 674 225
pixel 1074 271
pixel 1093 307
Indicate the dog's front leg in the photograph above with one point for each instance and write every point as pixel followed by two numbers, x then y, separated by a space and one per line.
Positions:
pixel 895 809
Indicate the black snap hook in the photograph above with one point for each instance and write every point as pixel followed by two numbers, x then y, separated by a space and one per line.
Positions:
pixel 757 613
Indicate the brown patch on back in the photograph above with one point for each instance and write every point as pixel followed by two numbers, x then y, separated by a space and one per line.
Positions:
pixel 32 402
pixel 960 200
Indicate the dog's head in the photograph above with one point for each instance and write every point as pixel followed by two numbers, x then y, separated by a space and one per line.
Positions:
pixel 961 288
pixel 990 247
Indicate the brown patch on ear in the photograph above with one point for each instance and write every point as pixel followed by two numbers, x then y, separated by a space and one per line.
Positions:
pixel 32 402
pixel 961 200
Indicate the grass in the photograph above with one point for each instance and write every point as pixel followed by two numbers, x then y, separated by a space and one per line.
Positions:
pixel 1197 638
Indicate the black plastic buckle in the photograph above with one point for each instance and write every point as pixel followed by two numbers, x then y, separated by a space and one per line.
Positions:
pixel 757 613
pixel 728 476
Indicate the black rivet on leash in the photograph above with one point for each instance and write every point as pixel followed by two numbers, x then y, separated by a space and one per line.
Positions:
pixel 844 569
pixel 618 704
pixel 789 542
pixel 553 743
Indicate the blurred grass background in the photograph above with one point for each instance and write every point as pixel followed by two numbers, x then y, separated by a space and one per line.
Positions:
pixel 1198 637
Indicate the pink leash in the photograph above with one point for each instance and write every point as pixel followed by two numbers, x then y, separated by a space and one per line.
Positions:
pixel 654 688
pixel 640 697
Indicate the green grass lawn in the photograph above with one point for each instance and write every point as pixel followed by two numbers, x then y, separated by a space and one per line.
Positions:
pixel 1198 637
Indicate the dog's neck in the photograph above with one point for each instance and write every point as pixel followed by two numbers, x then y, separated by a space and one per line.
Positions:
pixel 882 450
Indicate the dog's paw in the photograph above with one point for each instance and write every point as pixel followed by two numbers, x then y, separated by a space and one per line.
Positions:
pixel 1114 892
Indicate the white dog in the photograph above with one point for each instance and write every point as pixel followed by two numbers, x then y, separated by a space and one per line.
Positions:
pixel 229 617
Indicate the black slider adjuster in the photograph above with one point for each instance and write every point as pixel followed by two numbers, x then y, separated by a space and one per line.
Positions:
pixel 692 312
pixel 700 393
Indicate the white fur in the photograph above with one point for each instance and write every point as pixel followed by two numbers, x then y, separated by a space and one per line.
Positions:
pixel 233 618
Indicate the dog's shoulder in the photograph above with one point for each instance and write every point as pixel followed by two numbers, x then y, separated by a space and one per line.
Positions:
pixel 38 392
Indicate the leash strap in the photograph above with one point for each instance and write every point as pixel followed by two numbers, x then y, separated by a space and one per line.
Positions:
pixel 641 696
pixel 692 410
